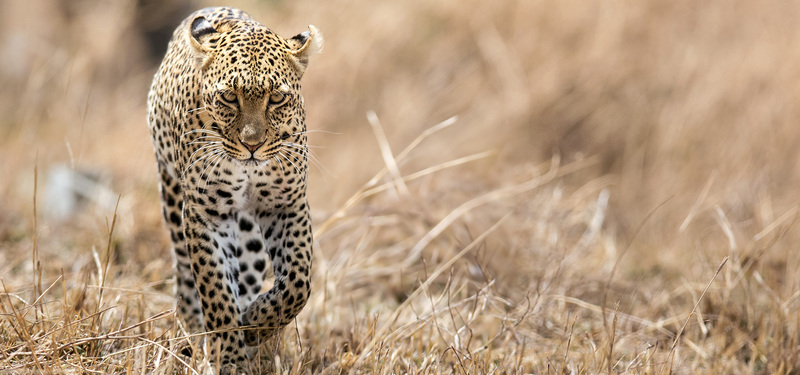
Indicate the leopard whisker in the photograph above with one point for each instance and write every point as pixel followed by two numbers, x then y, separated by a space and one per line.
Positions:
pixel 304 151
pixel 280 163
pixel 205 152
pixel 308 146
pixel 219 159
pixel 285 156
pixel 317 131
pixel 207 156
pixel 200 140
pixel 210 134
pixel 201 130
pixel 206 132
pixel 209 146
pixel 274 157
pixel 304 144
pixel 299 147
pixel 208 165
pixel 212 125
pixel 314 160
pixel 294 153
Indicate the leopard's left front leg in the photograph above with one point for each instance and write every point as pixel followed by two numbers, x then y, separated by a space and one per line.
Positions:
pixel 215 277
pixel 289 240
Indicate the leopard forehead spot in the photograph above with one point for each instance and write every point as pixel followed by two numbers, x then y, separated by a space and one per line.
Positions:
pixel 252 61
pixel 228 127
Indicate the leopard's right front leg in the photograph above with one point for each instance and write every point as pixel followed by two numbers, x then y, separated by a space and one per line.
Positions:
pixel 215 278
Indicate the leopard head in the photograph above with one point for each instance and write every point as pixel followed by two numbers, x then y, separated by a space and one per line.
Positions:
pixel 250 85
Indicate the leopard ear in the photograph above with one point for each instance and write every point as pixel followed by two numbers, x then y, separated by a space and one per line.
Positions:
pixel 201 32
pixel 303 45
pixel 202 38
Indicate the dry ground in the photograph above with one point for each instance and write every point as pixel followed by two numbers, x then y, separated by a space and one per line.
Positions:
pixel 617 193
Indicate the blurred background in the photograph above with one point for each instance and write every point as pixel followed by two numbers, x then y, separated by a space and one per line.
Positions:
pixel 684 113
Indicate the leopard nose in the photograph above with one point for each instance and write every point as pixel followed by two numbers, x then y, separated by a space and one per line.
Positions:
pixel 252 146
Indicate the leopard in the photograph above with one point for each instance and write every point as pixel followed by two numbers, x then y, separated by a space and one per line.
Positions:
pixel 227 121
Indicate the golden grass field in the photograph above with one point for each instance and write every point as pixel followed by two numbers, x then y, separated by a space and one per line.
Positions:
pixel 582 187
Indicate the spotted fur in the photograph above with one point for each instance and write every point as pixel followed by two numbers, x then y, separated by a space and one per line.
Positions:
pixel 228 125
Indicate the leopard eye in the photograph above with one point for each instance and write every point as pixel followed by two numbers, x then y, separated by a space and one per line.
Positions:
pixel 277 98
pixel 229 97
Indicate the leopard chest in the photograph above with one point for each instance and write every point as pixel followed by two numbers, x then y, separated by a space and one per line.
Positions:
pixel 254 188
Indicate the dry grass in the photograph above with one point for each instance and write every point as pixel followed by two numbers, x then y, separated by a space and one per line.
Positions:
pixel 618 192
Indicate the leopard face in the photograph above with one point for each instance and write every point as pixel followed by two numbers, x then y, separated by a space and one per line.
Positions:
pixel 250 96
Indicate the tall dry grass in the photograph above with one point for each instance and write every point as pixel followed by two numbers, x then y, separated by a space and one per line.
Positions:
pixel 617 192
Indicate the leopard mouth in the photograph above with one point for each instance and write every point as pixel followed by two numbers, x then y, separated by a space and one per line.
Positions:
pixel 266 154
pixel 253 160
